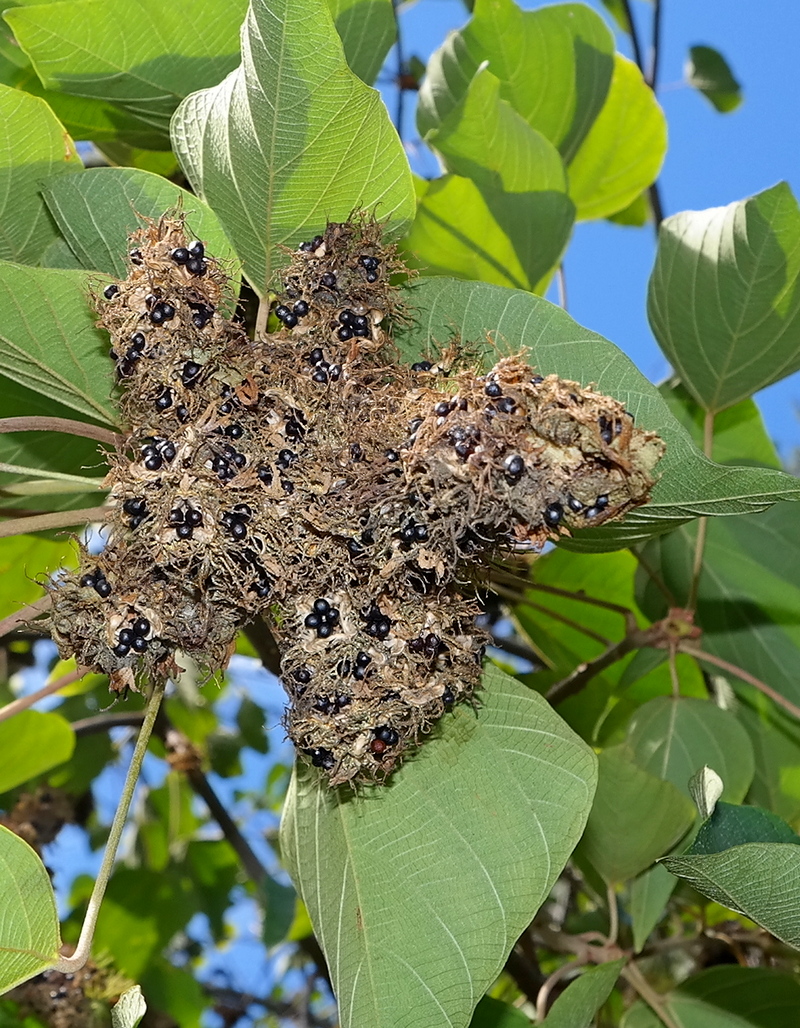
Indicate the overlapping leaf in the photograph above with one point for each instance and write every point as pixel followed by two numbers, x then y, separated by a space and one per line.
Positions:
pixel 689 485
pixel 724 296
pixel 368 30
pixel 583 997
pixel 490 811
pixel 34 147
pixel 290 139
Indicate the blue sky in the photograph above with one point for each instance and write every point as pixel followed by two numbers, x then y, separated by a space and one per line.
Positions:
pixel 713 159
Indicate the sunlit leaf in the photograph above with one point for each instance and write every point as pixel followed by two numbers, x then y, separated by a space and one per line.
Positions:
pixel 368 31
pixel 490 811
pixel 32 743
pixel 709 72
pixel 22 557
pixel 129 1009
pixel 290 139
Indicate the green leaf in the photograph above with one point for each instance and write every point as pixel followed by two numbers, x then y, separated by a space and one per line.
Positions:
pixel 316 143
pixel 368 32
pixel 29 937
pixel 727 997
pixel 34 146
pixel 624 150
pixel 493 1013
pixel 279 903
pixel 636 818
pixel 583 997
pixel 689 484
pixel 775 737
pixel 49 341
pixel 21 558
pixel 759 879
pixel 724 301
pixel 98 210
pixel 519 174
pixel 649 893
pixel 731 825
pixel 139 55
pixel 250 720
pixel 490 810
pixel 672 737
pixel 709 72
pixel 129 1009
pixel 554 65
pixel 32 743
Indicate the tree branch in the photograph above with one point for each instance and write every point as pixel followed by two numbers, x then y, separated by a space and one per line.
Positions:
pixel 25 702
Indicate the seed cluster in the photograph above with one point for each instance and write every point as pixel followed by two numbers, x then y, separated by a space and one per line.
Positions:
pixel 312 479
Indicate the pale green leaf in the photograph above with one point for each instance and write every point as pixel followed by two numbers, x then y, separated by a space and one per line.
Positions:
pixel 624 149
pixel 724 298
pixel 32 743
pixel 368 32
pixel 489 810
pixel 689 484
pixel 129 1009
pixel 34 146
pixel 290 139
pixel 29 937
pixel 649 893
pixel 583 997
pixel 22 557
pixel 709 72
pixel 142 55
pixel 49 341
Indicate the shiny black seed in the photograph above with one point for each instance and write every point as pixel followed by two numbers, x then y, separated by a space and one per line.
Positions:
pixel 493 389
pixel 506 405
pixel 125 636
pixel 157 315
pixel 132 355
pixel 334 372
pixel 126 367
pixel 312 620
pixel 290 320
pixel 342 700
pixel 601 502
pixel 111 291
pixel 333 615
pixel 113 355
pixel 190 373
pixel 285 458
pixel 553 513
pixel 182 414
pixel 391 455
pixel 265 475
pixel 136 521
pixel 591 512
pixel 138 341
pixel 180 255
pixel 420 533
pixel 176 516
pixel 234 431
pixel 164 400
pixel 135 505
pixel 121 650
pixel 416 645
pixel 287 486
pixel 261 589
pixel 345 333
pixel 225 408
pixel 362 659
pixel 536 380
pixel 300 308
pixel 153 462
pixel 354 548
pixel 319 376
pixel 281 311
pixel 448 699
pixel 407 532
pixel 322 704
pixel 242 511
pixel 372 276
pixel 443 409
pixel 200 320
pixel 316 242
pixel 221 467
pixel 315 356
pixel 168 452
pixel 102 588
pixel 135 256
pixel 346 317
pixel 141 626
pixel 306 247
pixel 574 504
pixel 464 450
pixel 361 331
pixel 321 606
pixel 196 248
pixel 383 628
pixel 513 466
pixel 238 529
pixel 184 531
pixel 414 425
pixel 422 366
pixel 328 280
pixel 367 537
pixel 387 734
pixel 360 321
pixel 322 758
pixel 238 459
pixel 168 311
pixel 302 675
pixel 294 430
pixel 87 581
pixel 196 266
pixel 324 631
pixel 139 645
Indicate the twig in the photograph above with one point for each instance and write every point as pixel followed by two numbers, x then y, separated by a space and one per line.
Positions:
pixel 262 317
pixel 745 676
pixel 651 78
pixel 25 702
pixel 81 954
pixel 400 65
pixel 58 519
pixel 544 993
pixel 585 672
pixel 516 648
pixel 502 574
pixel 263 642
pixel 637 53
pixel 105 722
pixel 25 615
pixel 518 598
pixel 654 1000
pixel 613 915
pixel 39 423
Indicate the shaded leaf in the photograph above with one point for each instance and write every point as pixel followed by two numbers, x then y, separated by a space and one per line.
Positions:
pixel 775 737
pixel 709 72
pixel 624 149
pixel 49 341
pixel 731 825
pixel 649 893
pixel 673 737
pixel 491 810
pixel 139 56
pixel 279 903
pixel 689 484
pixel 32 743
pixel 29 937
pixel 368 31
pixel 635 819
pixel 315 142
pixel 493 1013
pixel 34 147
pixel 583 997
pixel 724 301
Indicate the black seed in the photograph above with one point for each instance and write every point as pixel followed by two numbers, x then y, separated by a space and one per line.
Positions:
pixel 536 380
pixel 176 516
pixel 324 631
pixel 359 322
pixel 443 409
pixel 168 311
pixel 196 266
pixel 322 704
pixel 157 315
pixel 422 366
pixel 190 373
pixel 135 256
pixel 121 650
pixel 334 372
pixel 238 529
pixel 414 425
pixel 153 462
pixel 328 280
pixel 196 248
pixel 493 389
pixel 168 452
pixel 184 531
pixel 321 606
pixel 111 291
pixel 238 459
pixel 164 400
pixel 514 467
pixel 416 645
pixel 290 320
pixel 372 276
pixel 300 308
pixel 302 675
pixel 345 333
pixel 281 311
pixel 135 505
pixel 113 355
pixel 391 455
pixel 194 518
pixel 354 548
pixel 386 734
pixel 553 513
pixel 138 341
pixel 132 355
pixel 319 376
pixel 312 620
pixel 125 636
pixel 126 367
pixel 136 521
pixel 420 533
pixel 180 255
pixel 448 699
pixel 141 626
pixel 139 645
pixel 346 317
pixel 574 504
pixel 87 581
pixel 383 628
pixel 102 588
pixel 261 589
pixel 601 502
pixel 182 414
pixel 407 532
pixel 333 616
pixel 305 247
pixel 220 467
pixel 287 486
pixel 234 431
pixel 342 700
pixel 506 405
pixel 265 475
pixel 362 659
pixel 464 450
pixel 591 512
pixel 315 356
pixel 285 458
pixel 242 511
pixel 322 758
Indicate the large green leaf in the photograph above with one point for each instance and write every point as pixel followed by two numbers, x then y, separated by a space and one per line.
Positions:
pixel 775 738
pixel 368 31
pixel 21 558
pixel 290 139
pixel 727 997
pixel 49 341
pixel 724 301
pixel 624 149
pixel 577 1005
pixel 30 744
pixel 673 737
pixel 689 485
pixel 142 55
pixel 29 938
pixel 554 65
pixel 636 818
pixel 709 72
pixel 488 812
pixel 34 146
pixel 97 211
